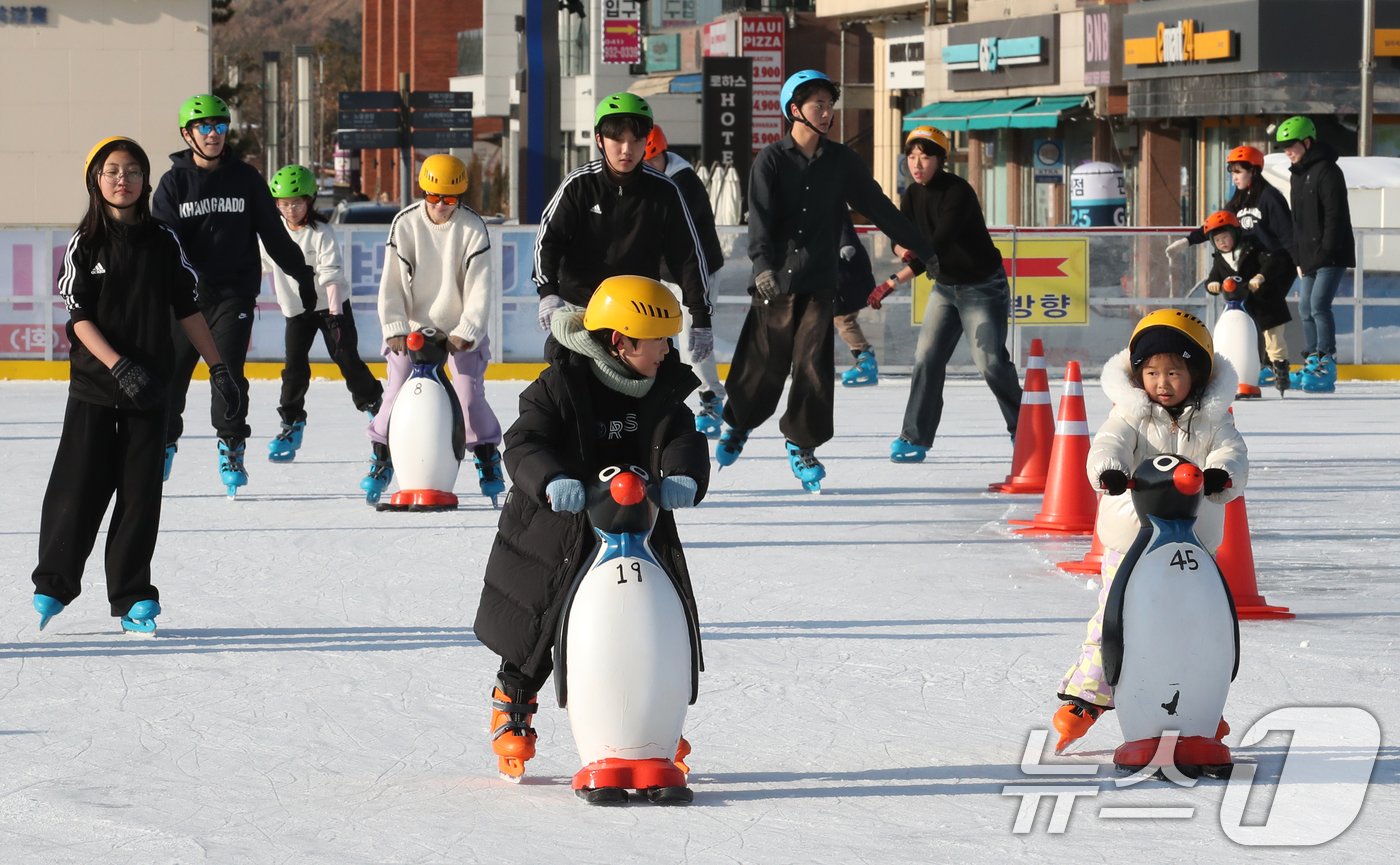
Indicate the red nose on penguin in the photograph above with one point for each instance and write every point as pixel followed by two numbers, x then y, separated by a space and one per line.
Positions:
pixel 627 488
pixel 1188 479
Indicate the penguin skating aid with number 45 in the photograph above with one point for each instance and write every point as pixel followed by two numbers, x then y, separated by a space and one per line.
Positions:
pixel 627 653
pixel 427 434
pixel 1170 632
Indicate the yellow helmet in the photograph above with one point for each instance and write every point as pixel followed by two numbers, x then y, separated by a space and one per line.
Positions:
pixel 443 174
pixel 1174 331
pixel 97 148
pixel 635 306
pixel 932 134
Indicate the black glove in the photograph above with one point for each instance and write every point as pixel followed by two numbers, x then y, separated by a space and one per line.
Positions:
pixel 1216 480
pixel 137 384
pixel 335 328
pixel 1113 482
pixel 306 290
pixel 221 380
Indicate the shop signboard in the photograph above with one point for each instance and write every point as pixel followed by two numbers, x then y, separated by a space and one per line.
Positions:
pixel 1049 281
pixel 762 37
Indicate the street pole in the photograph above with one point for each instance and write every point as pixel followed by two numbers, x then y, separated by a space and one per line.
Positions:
pixel 1368 77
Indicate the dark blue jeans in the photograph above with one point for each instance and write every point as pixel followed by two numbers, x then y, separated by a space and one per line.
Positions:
pixel 1315 295
pixel 981 310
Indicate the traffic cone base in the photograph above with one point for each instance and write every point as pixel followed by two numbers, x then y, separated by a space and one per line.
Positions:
pixel 1235 558
pixel 1091 564
pixel 1070 505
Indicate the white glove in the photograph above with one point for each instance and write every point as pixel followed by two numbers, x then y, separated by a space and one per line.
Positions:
pixel 847 253
pixel 1176 246
pixel 1213 287
pixel 549 304
pixel 1256 282
pixel 702 343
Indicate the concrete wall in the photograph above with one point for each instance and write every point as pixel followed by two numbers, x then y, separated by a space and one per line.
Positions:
pixel 95 68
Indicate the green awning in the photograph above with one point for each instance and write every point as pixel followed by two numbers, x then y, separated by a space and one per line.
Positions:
pixel 1016 112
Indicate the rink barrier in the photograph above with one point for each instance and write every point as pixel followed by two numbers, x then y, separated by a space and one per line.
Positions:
pixel 57 370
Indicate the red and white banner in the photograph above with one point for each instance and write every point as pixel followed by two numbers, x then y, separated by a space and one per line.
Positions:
pixel 718 39
pixel 762 39
pixel 622 31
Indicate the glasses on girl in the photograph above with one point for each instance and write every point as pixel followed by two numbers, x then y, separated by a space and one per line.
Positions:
pixel 112 176
pixel 434 198
pixel 206 128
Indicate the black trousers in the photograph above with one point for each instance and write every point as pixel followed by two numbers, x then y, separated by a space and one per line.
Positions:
pixel 102 451
pixel 514 677
pixel 791 332
pixel 301 333
pixel 231 322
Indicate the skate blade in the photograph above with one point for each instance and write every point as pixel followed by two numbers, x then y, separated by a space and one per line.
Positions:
pixel 143 628
pixel 232 491
pixel 511 769
pixel 282 458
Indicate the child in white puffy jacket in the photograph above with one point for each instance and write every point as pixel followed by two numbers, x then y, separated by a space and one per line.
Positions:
pixel 1171 395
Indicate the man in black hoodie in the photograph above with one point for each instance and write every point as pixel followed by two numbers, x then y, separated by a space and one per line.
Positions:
pixel 220 206
pixel 1323 246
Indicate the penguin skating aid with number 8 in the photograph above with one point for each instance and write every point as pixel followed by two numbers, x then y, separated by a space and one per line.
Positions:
pixel 627 653
pixel 427 434
pixel 1170 634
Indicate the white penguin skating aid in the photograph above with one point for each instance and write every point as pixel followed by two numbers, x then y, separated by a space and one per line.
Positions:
pixel 427 434
pixel 1170 635
pixel 627 654
pixel 1237 339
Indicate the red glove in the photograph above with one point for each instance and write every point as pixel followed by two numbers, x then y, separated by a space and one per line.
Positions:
pixel 882 291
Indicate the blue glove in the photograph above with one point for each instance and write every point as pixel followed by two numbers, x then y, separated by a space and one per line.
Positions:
pixel 702 343
pixel 565 494
pixel 677 491
pixel 549 304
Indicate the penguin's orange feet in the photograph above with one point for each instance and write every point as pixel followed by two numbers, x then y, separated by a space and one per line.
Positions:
pixel 1222 731
pixel 1073 720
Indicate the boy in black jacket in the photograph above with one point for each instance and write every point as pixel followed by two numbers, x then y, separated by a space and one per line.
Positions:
pixel 970 295
pixel 617 215
pixel 123 276
pixel 799 189
pixel 697 201
pixel 220 207
pixel 612 394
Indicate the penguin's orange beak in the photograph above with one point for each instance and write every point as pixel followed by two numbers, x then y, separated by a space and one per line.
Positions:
pixel 1188 479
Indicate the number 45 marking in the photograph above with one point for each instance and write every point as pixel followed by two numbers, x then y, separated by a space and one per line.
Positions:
pixel 1184 560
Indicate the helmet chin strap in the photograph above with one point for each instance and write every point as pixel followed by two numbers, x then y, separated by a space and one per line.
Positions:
pixel 802 118
pixel 194 145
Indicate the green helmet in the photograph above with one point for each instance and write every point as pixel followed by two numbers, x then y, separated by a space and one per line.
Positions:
pixel 622 103
pixel 292 181
pixel 1295 129
pixel 201 106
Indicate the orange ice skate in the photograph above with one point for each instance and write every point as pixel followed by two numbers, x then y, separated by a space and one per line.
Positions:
pixel 512 737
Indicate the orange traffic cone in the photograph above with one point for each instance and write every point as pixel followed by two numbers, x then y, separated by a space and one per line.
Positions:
pixel 1092 563
pixel 1035 430
pixel 1070 503
pixel 1235 558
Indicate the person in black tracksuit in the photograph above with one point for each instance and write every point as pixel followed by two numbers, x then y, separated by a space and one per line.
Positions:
pixel 799 189
pixel 220 207
pixel 616 215
pixel 697 202
pixel 123 275
pixel 590 408
pixel 970 295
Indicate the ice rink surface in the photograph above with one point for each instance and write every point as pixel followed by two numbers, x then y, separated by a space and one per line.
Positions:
pixel 877 658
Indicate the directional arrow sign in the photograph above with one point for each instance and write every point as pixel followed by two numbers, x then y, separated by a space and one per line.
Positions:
pixel 433 119
pixel 442 138
pixel 368 139
pixel 440 99
pixel 368 119
pixel 352 99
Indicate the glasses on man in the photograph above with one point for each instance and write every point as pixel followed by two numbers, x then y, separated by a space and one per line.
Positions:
pixel 434 198
pixel 112 176
pixel 206 128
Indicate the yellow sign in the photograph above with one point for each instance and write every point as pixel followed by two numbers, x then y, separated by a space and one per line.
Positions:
pixel 1179 43
pixel 1387 42
pixel 1049 281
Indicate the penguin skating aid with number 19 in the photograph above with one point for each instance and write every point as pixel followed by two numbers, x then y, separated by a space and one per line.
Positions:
pixel 1170 634
pixel 427 434
pixel 627 653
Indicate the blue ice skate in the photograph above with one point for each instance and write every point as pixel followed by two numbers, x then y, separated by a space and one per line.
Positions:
pixel 488 473
pixel 1267 376
pixel 731 444
pixel 865 372
pixel 141 618
pixel 1323 377
pixel 904 451
pixel 47 607
pixel 170 450
pixel 283 447
pixel 1295 378
pixel 231 469
pixel 381 471
pixel 806 467
pixel 709 418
